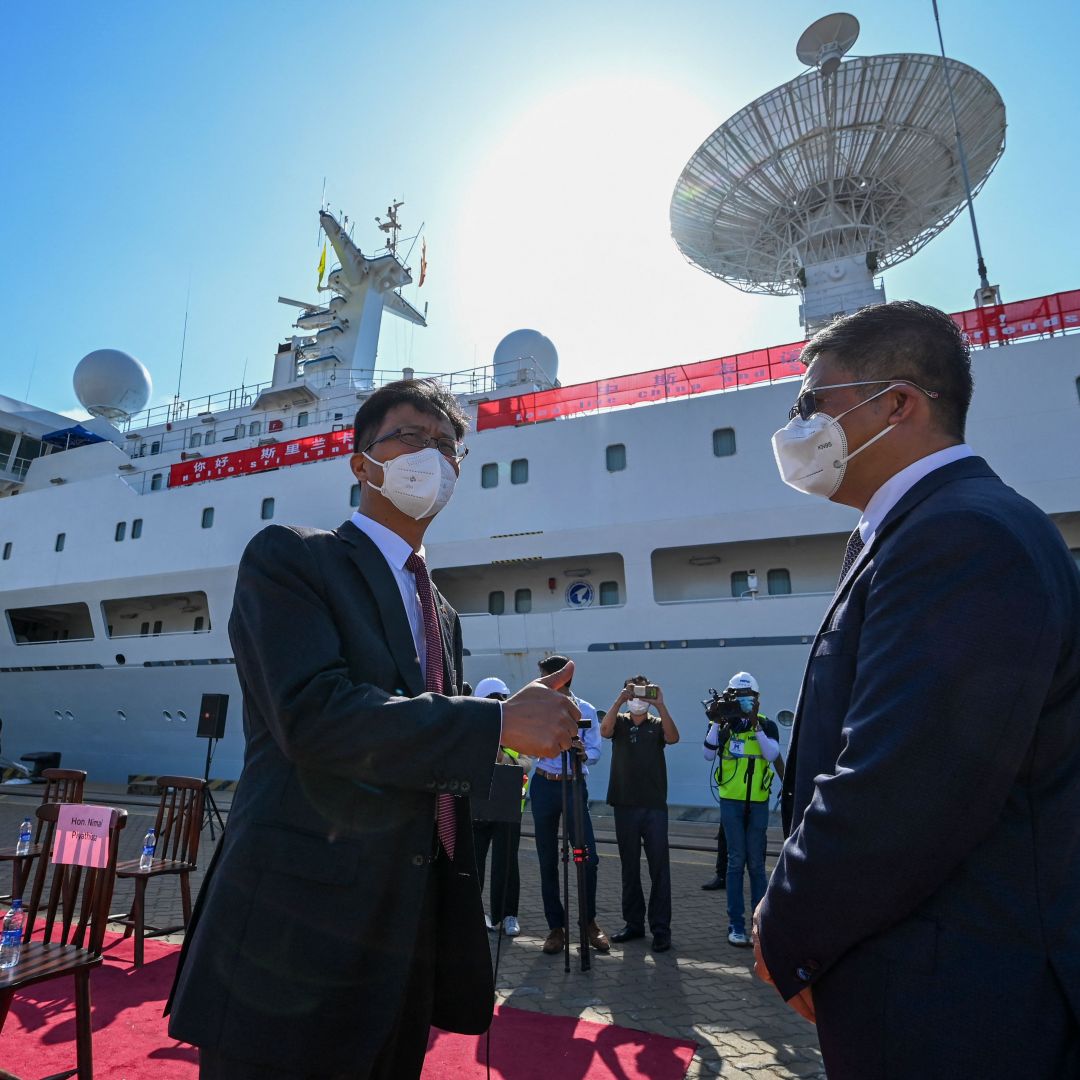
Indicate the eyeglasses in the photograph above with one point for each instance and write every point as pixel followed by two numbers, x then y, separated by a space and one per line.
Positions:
pixel 449 448
pixel 807 404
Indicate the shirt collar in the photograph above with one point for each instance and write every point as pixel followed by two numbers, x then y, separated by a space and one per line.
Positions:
pixel 899 484
pixel 394 549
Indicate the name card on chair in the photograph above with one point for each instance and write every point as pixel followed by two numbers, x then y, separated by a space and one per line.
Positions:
pixel 82 835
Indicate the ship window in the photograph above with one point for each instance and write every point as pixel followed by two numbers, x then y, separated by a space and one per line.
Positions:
pixel 489 475
pixel 616 457
pixel 267 509
pixel 523 601
pixel 155 447
pixel 301 419
pixel 1075 554
pixel 121 529
pixel 255 428
pixel 7 550
pixel 609 593
pixel 496 602
pixel 195 440
pixel 155 482
pixel 130 616
pixel 60 538
pixel 208 517
pixel 519 471
pixel 779 582
pixel 136 529
pixel 142 449
pixel 723 442
pixel 53 622
pixel 209 437
pixel 354 495
pixel 740 582
pixel 238 431
pixel 785 718
pixel 1078 387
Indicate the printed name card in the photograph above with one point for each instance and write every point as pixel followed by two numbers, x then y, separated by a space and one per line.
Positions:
pixel 82 835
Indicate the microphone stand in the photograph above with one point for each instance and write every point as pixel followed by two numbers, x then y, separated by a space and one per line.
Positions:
pixel 566 860
pixel 580 855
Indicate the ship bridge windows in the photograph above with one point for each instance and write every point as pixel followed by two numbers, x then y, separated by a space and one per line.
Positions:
pixel 165 613
pixel 50 623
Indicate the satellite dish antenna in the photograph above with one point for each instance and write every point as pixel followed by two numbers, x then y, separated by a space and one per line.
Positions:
pixel 825 42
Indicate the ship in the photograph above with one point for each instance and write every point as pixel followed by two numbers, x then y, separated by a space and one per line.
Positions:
pixel 635 523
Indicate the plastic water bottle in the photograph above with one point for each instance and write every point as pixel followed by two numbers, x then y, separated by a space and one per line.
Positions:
pixel 146 859
pixel 11 935
pixel 23 846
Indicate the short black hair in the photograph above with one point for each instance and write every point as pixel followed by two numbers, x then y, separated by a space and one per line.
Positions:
pixel 550 664
pixel 904 340
pixel 424 395
pixel 639 679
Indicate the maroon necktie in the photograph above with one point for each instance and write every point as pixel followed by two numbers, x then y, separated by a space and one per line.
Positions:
pixel 435 683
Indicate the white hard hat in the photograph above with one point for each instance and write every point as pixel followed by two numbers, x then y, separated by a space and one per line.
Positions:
pixel 743 680
pixel 491 685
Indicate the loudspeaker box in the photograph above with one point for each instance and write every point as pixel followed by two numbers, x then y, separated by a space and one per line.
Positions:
pixel 212 716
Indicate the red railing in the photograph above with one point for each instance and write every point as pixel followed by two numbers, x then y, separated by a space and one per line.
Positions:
pixel 983 326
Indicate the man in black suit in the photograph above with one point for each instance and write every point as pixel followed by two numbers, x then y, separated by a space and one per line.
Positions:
pixel 341 915
pixel 926 906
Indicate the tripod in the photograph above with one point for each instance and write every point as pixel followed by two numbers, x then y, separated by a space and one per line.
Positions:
pixel 210 810
pixel 572 778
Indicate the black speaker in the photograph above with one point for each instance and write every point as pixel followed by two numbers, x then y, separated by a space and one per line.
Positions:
pixel 212 716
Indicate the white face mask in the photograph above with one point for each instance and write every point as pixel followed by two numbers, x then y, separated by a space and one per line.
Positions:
pixel 812 454
pixel 418 484
pixel 638 707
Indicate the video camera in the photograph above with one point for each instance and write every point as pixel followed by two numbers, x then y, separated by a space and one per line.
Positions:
pixel 725 709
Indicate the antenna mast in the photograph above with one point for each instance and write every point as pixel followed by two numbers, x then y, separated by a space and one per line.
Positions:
pixel 391 226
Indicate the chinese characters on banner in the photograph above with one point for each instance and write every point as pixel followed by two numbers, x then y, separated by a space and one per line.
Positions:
pixel 243 462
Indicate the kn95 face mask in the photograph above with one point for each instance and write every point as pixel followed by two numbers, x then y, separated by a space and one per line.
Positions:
pixel 418 484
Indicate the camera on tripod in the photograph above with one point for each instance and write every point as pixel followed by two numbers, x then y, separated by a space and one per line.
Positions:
pixel 725 709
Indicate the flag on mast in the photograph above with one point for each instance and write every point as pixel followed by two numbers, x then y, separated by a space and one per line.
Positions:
pixel 322 264
pixel 423 262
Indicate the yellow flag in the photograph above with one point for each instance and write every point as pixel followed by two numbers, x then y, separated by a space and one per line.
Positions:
pixel 423 262
pixel 322 264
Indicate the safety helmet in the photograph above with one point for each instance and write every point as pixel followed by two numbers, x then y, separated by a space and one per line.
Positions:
pixel 743 680
pixel 491 685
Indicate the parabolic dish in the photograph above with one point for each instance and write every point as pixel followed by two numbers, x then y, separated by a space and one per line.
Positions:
pixel 864 162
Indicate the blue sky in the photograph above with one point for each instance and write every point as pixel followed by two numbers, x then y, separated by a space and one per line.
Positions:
pixel 153 148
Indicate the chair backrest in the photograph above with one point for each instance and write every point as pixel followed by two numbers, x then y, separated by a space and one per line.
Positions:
pixel 179 818
pixel 81 919
pixel 61 785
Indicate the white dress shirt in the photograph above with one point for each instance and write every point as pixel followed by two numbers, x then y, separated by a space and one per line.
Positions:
pixel 590 737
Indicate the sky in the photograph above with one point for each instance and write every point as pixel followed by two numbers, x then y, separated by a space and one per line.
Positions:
pixel 163 159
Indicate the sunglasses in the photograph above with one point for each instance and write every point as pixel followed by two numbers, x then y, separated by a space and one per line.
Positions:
pixel 807 404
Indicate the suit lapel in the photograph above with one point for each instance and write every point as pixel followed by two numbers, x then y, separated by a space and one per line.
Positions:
pixel 380 578
pixel 446 627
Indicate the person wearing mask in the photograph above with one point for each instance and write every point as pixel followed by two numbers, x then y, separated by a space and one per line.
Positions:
pixel 925 908
pixel 749 757
pixel 503 837
pixel 637 789
pixel 546 798
pixel 341 915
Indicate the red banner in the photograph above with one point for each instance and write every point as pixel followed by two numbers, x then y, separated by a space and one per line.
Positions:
pixel 983 326
pixel 262 458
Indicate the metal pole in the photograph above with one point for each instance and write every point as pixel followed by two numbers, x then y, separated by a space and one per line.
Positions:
pixel 566 861
pixel 580 855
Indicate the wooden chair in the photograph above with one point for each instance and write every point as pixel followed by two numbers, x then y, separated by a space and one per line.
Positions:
pixel 61 785
pixel 73 935
pixel 176 829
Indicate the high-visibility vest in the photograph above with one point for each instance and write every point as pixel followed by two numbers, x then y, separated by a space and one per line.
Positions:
pixel 744 774
pixel 514 755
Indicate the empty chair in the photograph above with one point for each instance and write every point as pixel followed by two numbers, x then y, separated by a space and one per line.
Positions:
pixel 177 828
pixel 61 786
pixel 73 934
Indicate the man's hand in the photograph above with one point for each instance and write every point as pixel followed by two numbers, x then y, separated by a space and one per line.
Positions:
pixel 540 721
pixel 803 1001
pixel 659 699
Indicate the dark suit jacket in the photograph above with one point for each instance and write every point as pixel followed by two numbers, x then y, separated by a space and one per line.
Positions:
pixel 929 888
pixel 304 929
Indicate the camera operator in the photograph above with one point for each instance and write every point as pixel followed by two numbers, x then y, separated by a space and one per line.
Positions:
pixel 637 789
pixel 749 759
pixel 546 800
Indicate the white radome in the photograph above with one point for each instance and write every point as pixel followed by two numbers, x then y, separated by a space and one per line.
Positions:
pixel 112 384
pixel 525 351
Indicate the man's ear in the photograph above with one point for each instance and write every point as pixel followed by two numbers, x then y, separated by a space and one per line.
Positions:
pixel 361 468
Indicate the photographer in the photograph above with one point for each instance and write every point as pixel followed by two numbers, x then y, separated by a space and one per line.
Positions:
pixel 748 761
pixel 637 789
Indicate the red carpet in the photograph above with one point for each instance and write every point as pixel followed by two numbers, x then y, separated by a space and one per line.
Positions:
pixel 131 1041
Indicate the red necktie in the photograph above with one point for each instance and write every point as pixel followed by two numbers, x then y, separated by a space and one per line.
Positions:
pixel 435 683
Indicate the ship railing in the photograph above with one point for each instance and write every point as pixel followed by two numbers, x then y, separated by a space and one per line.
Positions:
pixel 747 598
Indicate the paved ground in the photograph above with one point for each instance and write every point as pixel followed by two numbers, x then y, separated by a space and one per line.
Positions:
pixel 703 989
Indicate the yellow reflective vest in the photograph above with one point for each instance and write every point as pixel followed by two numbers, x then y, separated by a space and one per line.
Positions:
pixel 514 755
pixel 743 773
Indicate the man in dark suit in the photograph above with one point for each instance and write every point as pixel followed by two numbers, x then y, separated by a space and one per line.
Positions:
pixel 341 915
pixel 926 906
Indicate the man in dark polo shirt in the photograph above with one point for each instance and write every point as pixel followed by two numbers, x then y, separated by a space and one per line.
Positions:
pixel 637 789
